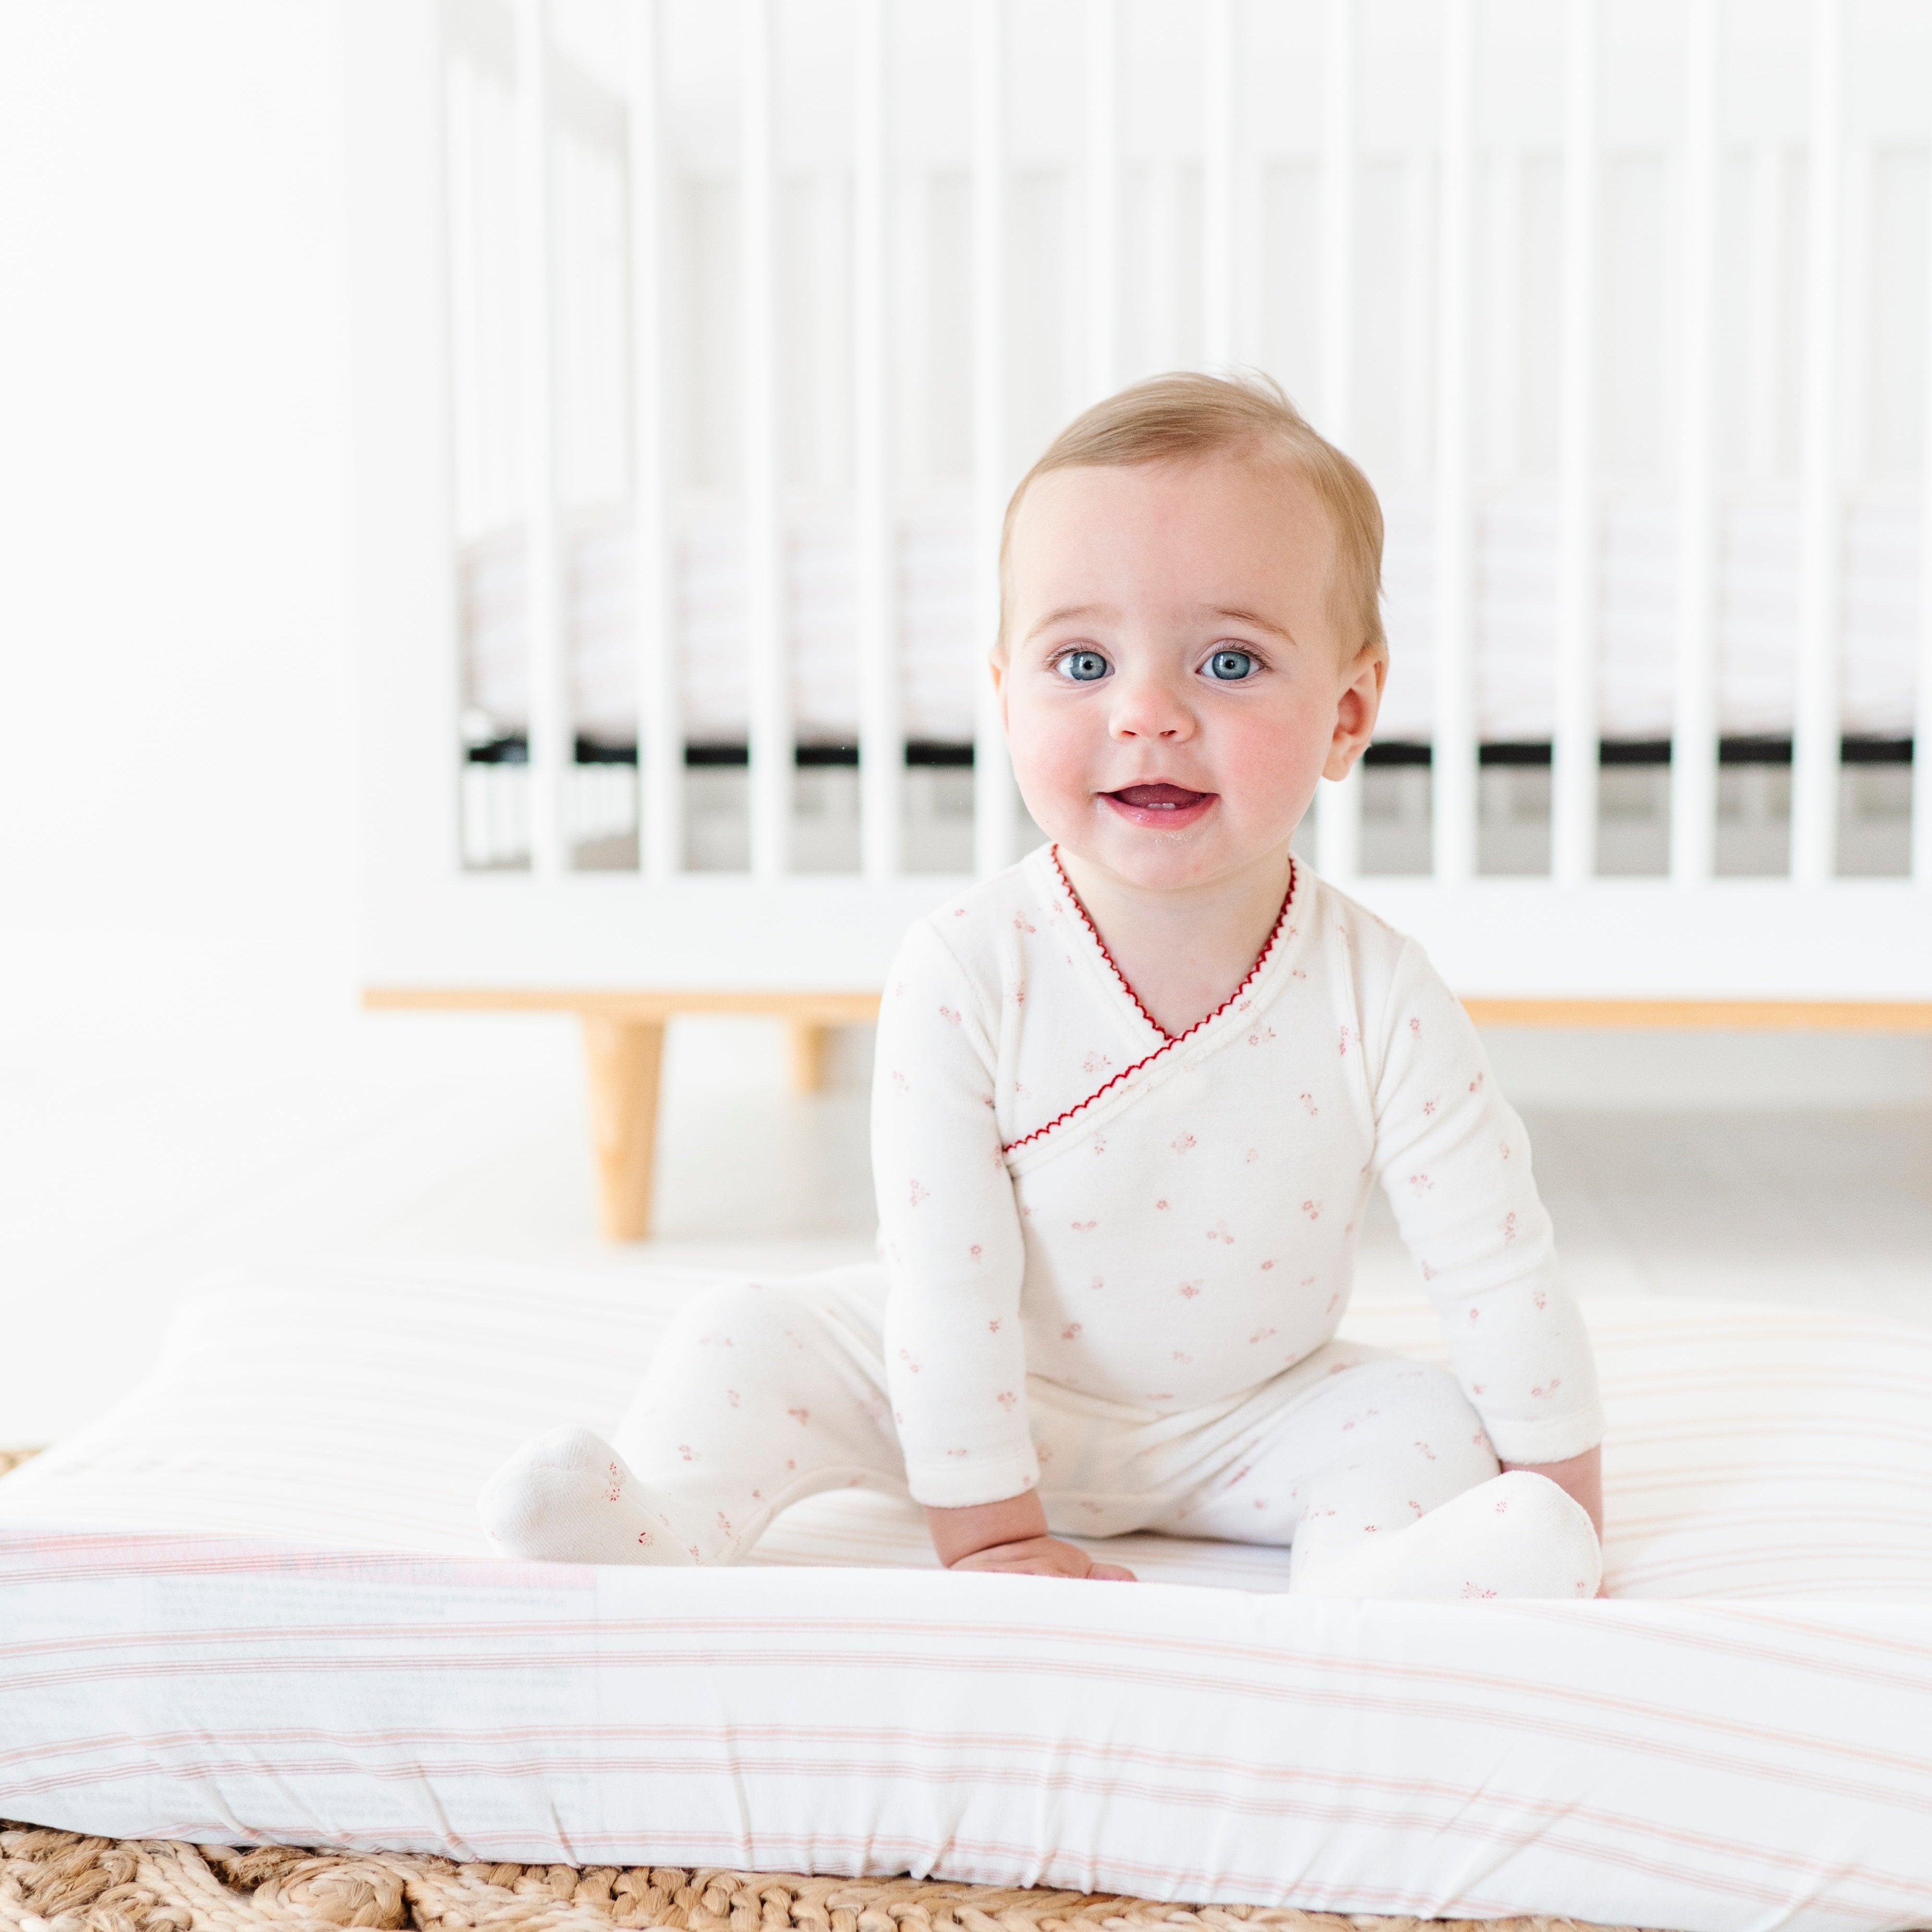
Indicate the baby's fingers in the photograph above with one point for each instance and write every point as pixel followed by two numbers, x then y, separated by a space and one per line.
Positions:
pixel 1110 1573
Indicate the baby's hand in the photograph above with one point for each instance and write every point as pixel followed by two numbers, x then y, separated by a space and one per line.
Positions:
pixel 1011 1537
pixel 1042 1556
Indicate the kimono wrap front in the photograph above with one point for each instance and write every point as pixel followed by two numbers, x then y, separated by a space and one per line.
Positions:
pixel 1156 1228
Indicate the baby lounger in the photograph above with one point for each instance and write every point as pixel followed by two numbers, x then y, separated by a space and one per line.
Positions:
pixel 251 1605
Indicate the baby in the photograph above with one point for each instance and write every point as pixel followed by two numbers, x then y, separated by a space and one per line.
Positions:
pixel 1132 1097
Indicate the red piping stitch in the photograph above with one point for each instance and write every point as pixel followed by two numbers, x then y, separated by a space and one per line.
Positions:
pixel 1086 919
pixel 1169 1040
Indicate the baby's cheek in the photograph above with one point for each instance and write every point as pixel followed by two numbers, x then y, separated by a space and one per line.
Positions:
pixel 1270 761
pixel 1051 748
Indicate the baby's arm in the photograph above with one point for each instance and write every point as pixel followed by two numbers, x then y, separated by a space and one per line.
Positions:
pixel 955 1355
pixel 1455 1162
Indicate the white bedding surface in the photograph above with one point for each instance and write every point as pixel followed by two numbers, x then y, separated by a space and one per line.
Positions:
pixel 250 1604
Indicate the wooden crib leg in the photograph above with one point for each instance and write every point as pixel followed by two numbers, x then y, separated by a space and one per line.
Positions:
pixel 622 1057
pixel 810 1043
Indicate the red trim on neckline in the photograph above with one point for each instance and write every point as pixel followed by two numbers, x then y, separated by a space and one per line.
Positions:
pixel 1169 1040
pixel 1126 984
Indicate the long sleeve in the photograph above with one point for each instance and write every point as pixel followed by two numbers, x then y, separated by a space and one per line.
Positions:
pixel 1454 1161
pixel 950 1232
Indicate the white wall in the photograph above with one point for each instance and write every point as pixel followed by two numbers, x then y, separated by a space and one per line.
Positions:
pixel 175 855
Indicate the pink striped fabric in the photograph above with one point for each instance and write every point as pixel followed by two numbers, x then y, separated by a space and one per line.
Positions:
pixel 248 1606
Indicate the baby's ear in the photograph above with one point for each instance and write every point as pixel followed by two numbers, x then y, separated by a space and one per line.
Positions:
pixel 1373 659
pixel 996 668
pixel 1356 708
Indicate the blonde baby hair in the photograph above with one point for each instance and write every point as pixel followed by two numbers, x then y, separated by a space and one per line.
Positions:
pixel 1183 417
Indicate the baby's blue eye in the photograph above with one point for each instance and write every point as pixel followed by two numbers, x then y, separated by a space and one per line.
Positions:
pixel 1083 667
pixel 1230 665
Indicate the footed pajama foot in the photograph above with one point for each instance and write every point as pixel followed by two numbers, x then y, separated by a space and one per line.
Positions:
pixel 1517 1535
pixel 568 1497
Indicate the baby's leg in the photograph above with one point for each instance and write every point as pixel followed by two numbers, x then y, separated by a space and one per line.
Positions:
pixel 1382 1478
pixel 757 1396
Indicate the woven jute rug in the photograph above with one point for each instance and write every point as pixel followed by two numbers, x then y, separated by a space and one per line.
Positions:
pixel 60 1882
pixel 57 1881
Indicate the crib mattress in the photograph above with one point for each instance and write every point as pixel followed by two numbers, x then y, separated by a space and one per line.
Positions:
pixel 251 1605
pixel 1515 619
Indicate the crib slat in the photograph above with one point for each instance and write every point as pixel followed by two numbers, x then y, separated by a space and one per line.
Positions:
pixel 1417 320
pixel 770 736
pixel 1500 381
pixel 1573 765
pixel 995 820
pixel 1338 828
pixel 1219 136
pixel 1339 161
pixel 1169 283
pixel 549 748
pixel 1764 373
pixel 1857 168
pixel 881 732
pixel 1103 198
pixel 461 169
pixel 660 728
pixel 495 384
pixel 1693 748
pixel 1453 760
pixel 1921 745
pixel 1814 763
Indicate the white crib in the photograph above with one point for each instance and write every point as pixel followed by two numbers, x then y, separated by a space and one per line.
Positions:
pixel 677 555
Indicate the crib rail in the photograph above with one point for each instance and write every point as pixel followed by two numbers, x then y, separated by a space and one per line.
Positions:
pixel 667 310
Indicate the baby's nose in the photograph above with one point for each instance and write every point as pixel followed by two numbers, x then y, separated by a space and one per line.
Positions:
pixel 1147 708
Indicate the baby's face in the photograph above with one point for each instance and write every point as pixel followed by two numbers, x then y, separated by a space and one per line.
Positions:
pixel 1175 684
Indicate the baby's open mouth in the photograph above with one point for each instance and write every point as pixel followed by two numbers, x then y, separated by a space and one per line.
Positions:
pixel 1161 807
pixel 1159 797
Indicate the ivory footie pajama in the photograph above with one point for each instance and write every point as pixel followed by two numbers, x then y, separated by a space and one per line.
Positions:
pixel 1115 1260
pixel 1376 1468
